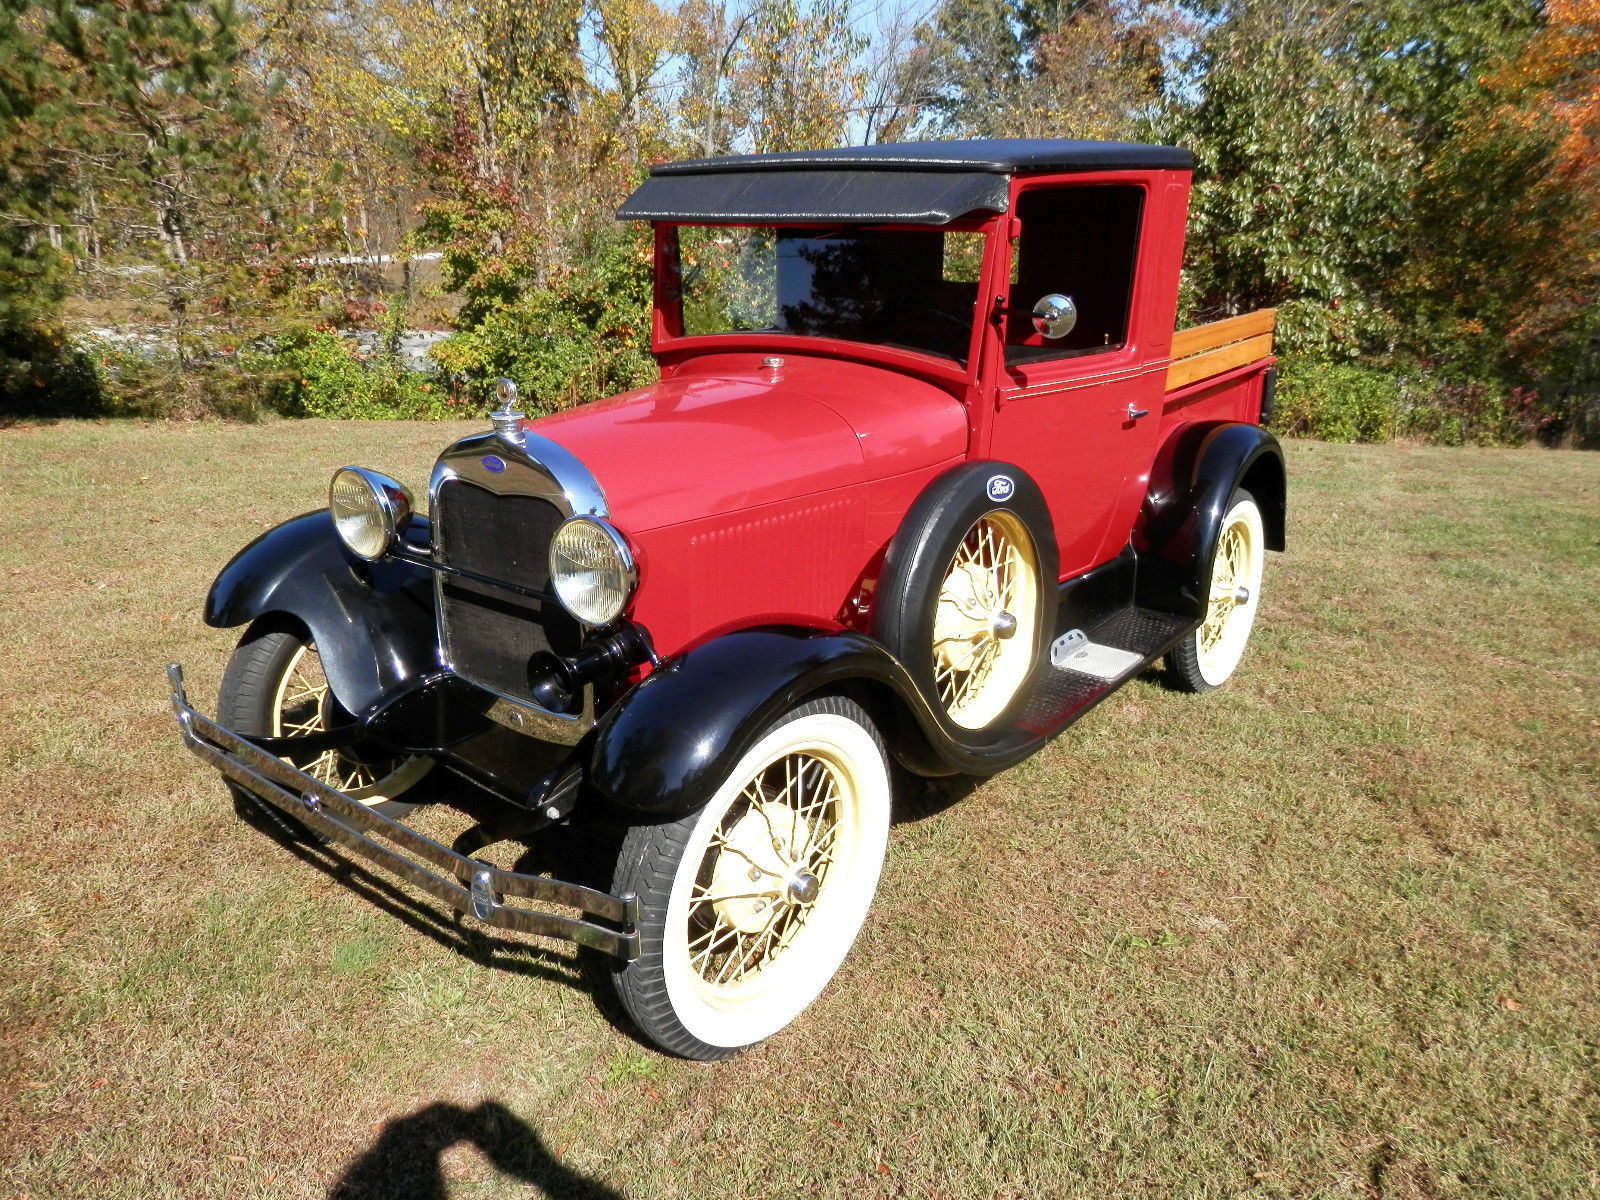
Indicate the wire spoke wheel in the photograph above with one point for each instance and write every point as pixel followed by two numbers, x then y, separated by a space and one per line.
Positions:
pixel 303 705
pixel 1208 658
pixel 1227 575
pixel 275 687
pixel 764 870
pixel 749 905
pixel 986 620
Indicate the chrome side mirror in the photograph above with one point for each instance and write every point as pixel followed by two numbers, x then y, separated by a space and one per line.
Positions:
pixel 1055 315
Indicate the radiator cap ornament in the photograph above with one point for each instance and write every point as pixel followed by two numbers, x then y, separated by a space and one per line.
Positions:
pixel 506 419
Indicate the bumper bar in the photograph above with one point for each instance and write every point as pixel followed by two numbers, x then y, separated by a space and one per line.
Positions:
pixel 465 884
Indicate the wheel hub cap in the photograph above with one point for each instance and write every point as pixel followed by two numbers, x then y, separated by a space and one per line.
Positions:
pixel 753 874
pixel 803 888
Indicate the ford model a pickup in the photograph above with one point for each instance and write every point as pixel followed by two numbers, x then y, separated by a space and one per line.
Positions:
pixel 926 475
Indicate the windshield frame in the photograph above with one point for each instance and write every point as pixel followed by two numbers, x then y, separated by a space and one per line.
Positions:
pixel 670 343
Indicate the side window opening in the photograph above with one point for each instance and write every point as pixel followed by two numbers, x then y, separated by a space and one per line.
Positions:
pixel 1082 242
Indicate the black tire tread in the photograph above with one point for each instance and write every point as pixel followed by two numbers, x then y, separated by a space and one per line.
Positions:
pixel 248 684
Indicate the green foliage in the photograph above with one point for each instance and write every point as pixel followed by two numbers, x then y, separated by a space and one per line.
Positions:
pixel 42 374
pixel 317 373
pixel 33 183
pixel 1342 402
pixel 1472 412
pixel 1413 184
pixel 1300 205
pixel 1336 402
pixel 584 334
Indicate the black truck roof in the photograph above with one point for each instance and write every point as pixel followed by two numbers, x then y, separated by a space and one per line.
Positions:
pixel 923 183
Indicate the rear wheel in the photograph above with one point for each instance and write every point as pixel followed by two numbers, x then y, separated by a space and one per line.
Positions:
pixel 275 687
pixel 1205 659
pixel 748 906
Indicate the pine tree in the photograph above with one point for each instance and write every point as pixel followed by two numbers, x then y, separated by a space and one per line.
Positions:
pixel 170 144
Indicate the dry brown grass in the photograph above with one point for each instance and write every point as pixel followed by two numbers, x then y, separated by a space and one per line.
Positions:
pixel 1330 932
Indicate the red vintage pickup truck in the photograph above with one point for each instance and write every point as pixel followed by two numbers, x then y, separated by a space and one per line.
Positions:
pixel 926 475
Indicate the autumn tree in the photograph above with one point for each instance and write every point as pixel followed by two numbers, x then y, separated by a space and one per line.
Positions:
pixel 1302 180
pixel 1511 292
pixel 771 76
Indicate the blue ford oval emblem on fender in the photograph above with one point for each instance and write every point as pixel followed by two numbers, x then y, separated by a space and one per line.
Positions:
pixel 493 462
pixel 1001 487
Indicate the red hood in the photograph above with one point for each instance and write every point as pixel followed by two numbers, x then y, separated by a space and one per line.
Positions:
pixel 724 434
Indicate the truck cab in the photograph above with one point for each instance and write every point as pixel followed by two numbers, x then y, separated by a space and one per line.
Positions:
pixel 927 474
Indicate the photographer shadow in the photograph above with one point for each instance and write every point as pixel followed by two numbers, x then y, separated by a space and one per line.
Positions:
pixel 406 1162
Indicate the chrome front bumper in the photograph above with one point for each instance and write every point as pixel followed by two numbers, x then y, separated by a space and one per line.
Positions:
pixel 465 884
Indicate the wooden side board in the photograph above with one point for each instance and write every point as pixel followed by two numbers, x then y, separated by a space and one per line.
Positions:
pixel 1220 346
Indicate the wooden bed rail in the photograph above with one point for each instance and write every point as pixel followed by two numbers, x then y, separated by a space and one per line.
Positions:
pixel 1220 346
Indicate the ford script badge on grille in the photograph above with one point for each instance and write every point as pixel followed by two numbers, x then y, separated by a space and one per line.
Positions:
pixel 494 462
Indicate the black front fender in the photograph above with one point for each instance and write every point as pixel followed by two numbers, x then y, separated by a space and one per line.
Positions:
pixel 373 623
pixel 668 744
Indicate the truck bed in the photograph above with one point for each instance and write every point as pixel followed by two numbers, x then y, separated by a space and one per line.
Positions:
pixel 1218 370
pixel 1219 346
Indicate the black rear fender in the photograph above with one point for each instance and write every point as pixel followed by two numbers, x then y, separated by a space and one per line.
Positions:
pixel 1194 477
pixel 373 623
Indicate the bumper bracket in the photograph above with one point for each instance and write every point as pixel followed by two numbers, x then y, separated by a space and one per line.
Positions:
pixel 465 884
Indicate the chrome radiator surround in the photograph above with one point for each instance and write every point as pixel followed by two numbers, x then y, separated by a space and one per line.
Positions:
pixel 525 465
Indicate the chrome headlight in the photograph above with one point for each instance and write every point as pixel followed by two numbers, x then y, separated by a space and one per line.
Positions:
pixel 592 570
pixel 369 510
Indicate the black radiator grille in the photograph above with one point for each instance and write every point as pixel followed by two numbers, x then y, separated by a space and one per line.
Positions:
pixel 490 633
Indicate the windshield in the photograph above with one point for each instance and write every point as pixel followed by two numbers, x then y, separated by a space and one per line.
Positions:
pixel 910 289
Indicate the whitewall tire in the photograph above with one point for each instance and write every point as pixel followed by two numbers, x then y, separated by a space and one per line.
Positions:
pixel 749 905
pixel 1207 658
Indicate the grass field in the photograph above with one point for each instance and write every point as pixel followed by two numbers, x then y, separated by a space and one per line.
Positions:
pixel 1331 932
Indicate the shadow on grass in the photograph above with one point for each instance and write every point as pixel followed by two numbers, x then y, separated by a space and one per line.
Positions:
pixel 405 1163
pixel 444 926
pixel 582 851
pixel 917 798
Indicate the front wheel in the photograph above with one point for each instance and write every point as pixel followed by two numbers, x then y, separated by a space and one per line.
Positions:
pixel 1206 658
pixel 275 687
pixel 748 905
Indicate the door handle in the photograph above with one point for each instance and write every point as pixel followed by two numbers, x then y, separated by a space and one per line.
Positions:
pixel 1135 413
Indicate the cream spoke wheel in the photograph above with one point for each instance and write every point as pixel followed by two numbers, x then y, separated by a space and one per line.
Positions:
pixel 301 706
pixel 1208 658
pixel 767 886
pixel 986 620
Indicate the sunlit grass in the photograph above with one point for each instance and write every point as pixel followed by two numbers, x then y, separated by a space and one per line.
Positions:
pixel 1328 932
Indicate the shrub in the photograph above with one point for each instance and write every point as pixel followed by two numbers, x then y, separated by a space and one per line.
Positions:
pixel 1471 412
pixel 1336 402
pixel 44 374
pixel 583 335
pixel 317 373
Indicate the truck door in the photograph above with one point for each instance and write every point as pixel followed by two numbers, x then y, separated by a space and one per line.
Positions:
pixel 1080 412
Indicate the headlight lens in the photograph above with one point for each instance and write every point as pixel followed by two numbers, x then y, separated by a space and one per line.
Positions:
pixel 592 570
pixel 369 510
